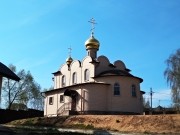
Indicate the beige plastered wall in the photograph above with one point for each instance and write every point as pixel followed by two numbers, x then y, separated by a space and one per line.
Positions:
pixel 96 97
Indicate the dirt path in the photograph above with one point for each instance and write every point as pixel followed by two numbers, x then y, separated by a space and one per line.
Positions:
pixel 5 131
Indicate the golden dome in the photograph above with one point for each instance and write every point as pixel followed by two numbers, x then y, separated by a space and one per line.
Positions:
pixel 69 60
pixel 92 43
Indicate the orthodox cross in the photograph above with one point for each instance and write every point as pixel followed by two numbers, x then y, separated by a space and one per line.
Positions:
pixel 92 21
pixel 70 49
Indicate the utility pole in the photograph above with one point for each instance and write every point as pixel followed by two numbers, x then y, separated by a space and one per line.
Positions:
pixel 151 93
pixel 159 102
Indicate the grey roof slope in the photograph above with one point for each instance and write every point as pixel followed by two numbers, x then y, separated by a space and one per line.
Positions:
pixel 6 72
pixel 119 73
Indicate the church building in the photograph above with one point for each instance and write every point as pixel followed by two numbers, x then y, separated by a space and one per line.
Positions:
pixel 93 86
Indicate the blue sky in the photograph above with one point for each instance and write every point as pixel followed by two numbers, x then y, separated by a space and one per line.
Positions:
pixel 35 35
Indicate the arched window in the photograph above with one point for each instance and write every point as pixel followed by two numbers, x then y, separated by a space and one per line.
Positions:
pixel 133 90
pixel 116 89
pixel 74 78
pixel 63 80
pixel 86 75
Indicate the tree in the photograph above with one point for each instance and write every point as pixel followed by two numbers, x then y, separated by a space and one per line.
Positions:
pixel 146 104
pixel 22 92
pixel 18 106
pixel 172 74
pixel 37 100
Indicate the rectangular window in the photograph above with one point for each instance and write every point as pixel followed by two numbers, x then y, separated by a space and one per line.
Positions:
pixel 116 92
pixel 50 100
pixel 116 89
pixel 61 98
pixel 133 93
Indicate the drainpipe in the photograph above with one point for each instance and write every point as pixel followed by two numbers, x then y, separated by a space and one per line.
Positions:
pixel 81 99
pixel 46 105
pixel 57 104
pixel 0 88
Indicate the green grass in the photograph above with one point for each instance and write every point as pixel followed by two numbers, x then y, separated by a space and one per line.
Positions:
pixel 81 126
pixel 40 131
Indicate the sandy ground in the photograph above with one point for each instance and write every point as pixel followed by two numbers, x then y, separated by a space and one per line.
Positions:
pixel 163 124
pixel 126 123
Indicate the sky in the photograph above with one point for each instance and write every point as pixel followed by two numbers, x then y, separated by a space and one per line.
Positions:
pixel 35 35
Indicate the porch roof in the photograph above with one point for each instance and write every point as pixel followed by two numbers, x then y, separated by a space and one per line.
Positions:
pixel 75 85
pixel 6 72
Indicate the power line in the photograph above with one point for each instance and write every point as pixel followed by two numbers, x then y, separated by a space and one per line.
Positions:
pixel 162 93
pixel 147 93
pixel 159 99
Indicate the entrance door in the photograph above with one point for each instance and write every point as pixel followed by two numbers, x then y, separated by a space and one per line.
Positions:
pixel 73 104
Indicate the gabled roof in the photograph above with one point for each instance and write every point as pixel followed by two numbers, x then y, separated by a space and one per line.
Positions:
pixel 6 72
pixel 118 73
pixel 57 72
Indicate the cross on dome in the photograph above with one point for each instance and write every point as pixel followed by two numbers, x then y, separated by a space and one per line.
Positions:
pixel 92 21
pixel 70 50
pixel 69 59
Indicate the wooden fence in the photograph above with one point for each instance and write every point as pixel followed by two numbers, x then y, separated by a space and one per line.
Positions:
pixel 10 115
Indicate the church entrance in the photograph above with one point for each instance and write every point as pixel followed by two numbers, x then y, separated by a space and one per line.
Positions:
pixel 73 94
pixel 73 104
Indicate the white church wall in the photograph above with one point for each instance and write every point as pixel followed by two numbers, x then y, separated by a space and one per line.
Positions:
pixel 79 102
pixel 76 67
pixel 87 65
pixel 57 81
pixel 65 72
pixel 51 108
pixel 95 97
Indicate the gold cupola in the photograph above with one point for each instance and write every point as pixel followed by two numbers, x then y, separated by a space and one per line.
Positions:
pixel 92 43
pixel 92 46
pixel 69 60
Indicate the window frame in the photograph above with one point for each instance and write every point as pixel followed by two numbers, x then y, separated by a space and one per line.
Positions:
pixel 74 78
pixel 63 81
pixel 61 98
pixel 133 91
pixel 86 75
pixel 51 100
pixel 116 89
